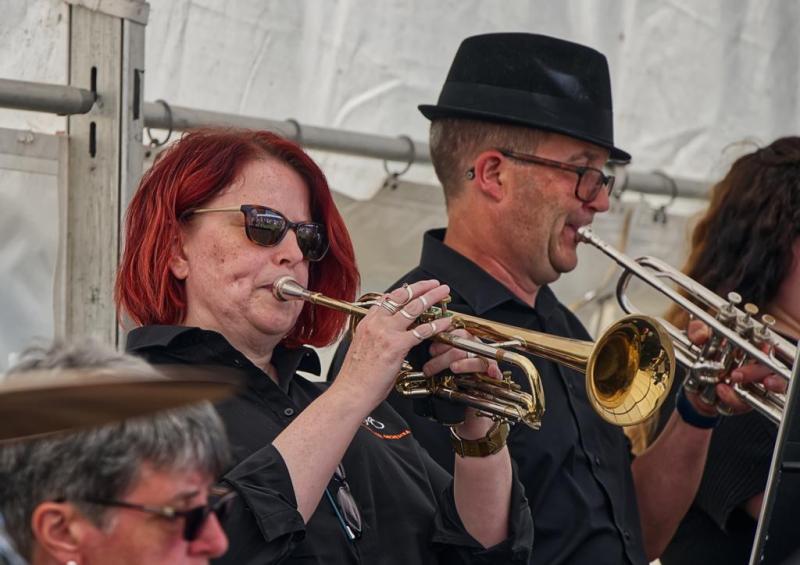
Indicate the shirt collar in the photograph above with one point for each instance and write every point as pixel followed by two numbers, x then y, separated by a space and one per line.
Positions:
pixel 196 345
pixel 480 290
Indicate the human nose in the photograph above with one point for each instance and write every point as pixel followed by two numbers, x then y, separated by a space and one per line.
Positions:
pixel 288 251
pixel 601 202
pixel 211 541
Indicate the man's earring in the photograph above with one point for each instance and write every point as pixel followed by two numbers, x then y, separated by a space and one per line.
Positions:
pixel 471 174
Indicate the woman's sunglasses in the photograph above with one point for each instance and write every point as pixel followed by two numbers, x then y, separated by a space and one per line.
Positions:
pixel 267 227
pixel 194 518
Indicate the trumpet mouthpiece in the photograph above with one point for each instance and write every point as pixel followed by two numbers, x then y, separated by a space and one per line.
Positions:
pixel 584 234
pixel 286 288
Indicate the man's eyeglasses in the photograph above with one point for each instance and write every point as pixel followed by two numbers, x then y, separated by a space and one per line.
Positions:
pixel 345 506
pixel 590 180
pixel 194 518
pixel 267 227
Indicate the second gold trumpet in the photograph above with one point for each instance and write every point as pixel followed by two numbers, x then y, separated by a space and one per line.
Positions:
pixel 629 369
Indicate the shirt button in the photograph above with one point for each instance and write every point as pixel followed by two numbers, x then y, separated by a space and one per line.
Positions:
pixel 288 412
pixel 237 362
pixel 627 535
pixel 597 460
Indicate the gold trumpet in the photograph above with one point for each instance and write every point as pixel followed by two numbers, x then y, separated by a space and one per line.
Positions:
pixel 629 370
pixel 737 337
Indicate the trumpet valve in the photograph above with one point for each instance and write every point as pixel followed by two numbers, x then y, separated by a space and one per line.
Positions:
pixel 763 332
pixel 728 313
pixel 443 305
pixel 734 299
pixel 750 312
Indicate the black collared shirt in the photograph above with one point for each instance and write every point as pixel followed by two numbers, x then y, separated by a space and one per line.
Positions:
pixel 576 469
pixel 405 498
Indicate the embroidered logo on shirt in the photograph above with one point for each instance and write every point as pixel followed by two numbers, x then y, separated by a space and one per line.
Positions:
pixel 378 429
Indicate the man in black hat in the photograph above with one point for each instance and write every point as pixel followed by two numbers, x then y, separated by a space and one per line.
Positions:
pixel 519 137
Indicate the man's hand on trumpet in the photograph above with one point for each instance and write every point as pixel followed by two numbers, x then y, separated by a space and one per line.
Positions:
pixel 445 357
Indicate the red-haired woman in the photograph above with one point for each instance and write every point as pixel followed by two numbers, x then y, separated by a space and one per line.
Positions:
pixel 325 475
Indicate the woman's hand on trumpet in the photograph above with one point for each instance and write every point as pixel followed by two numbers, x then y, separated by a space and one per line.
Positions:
pixel 698 333
pixel 445 357
pixel 383 338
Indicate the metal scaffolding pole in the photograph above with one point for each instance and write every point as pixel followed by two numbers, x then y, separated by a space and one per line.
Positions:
pixel 71 100
pixel 663 185
pixel 42 97
pixel 402 148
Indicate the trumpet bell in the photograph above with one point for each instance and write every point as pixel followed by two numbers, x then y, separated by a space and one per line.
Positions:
pixel 630 370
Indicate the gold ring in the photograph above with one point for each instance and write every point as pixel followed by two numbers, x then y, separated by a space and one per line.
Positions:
pixel 416 334
pixel 425 304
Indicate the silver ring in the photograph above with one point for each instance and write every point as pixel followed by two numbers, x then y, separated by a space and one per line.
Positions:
pixel 410 293
pixel 407 316
pixel 390 306
pixel 433 327
pixel 471 355
pixel 416 334
pixel 393 304
pixel 424 301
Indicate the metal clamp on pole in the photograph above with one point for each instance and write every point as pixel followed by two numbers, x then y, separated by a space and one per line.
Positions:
pixel 393 177
pixel 154 141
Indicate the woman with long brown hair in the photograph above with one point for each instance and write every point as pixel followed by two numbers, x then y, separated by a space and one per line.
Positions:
pixel 748 241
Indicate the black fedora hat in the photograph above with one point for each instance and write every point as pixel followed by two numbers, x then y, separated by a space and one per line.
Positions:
pixel 531 80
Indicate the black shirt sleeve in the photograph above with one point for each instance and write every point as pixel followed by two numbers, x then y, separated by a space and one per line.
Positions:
pixel 457 545
pixel 264 520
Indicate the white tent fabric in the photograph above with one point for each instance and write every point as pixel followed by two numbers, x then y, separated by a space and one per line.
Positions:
pixel 689 79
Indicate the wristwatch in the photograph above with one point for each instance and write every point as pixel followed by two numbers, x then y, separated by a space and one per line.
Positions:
pixel 491 443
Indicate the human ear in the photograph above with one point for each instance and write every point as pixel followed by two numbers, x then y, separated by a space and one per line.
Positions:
pixel 490 175
pixel 57 531
pixel 178 261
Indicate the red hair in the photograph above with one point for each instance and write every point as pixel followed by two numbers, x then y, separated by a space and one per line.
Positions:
pixel 188 174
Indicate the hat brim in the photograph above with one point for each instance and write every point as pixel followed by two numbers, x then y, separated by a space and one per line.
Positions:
pixel 433 112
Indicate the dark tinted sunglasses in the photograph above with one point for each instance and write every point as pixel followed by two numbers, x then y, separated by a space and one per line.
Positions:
pixel 194 518
pixel 267 227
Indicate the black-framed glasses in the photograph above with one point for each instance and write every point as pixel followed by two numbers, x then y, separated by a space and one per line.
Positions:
pixel 194 518
pixel 590 180
pixel 267 227
pixel 344 505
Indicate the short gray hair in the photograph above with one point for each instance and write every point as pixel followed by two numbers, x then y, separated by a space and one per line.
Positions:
pixel 455 142
pixel 102 462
